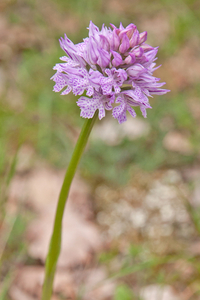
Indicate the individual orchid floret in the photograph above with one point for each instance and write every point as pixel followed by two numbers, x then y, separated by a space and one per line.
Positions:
pixel 101 102
pixel 114 80
pixel 114 67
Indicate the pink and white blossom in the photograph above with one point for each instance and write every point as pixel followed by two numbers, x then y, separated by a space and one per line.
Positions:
pixel 114 67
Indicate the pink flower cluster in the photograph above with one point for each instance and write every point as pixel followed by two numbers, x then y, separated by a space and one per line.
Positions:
pixel 111 66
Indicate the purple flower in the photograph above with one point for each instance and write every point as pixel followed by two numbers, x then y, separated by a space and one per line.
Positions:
pixel 114 66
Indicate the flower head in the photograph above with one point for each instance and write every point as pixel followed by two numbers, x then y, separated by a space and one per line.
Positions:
pixel 113 66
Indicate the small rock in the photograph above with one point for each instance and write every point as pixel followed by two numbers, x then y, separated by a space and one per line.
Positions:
pixel 17 294
pixel 195 199
pixel 177 142
pixel 108 132
pixel 158 292
pixel 112 133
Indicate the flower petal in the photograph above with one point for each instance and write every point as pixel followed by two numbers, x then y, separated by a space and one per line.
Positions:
pixel 103 59
pixel 124 44
pixel 117 60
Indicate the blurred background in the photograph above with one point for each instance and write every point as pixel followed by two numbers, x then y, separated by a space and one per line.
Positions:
pixel 132 224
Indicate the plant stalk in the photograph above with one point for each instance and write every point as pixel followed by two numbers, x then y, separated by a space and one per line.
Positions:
pixel 55 243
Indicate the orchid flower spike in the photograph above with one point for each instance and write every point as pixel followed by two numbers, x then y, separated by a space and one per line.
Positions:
pixel 113 66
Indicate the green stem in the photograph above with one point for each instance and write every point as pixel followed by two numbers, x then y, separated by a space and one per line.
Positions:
pixel 55 243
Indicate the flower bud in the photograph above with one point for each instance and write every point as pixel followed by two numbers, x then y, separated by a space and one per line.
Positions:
pixel 92 51
pixel 124 44
pixel 138 52
pixel 104 42
pixel 146 47
pixel 142 37
pixel 128 30
pixel 151 54
pixel 114 41
pixel 130 59
pixel 134 39
pixel 103 58
pixel 93 29
pixel 117 60
pixel 135 70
